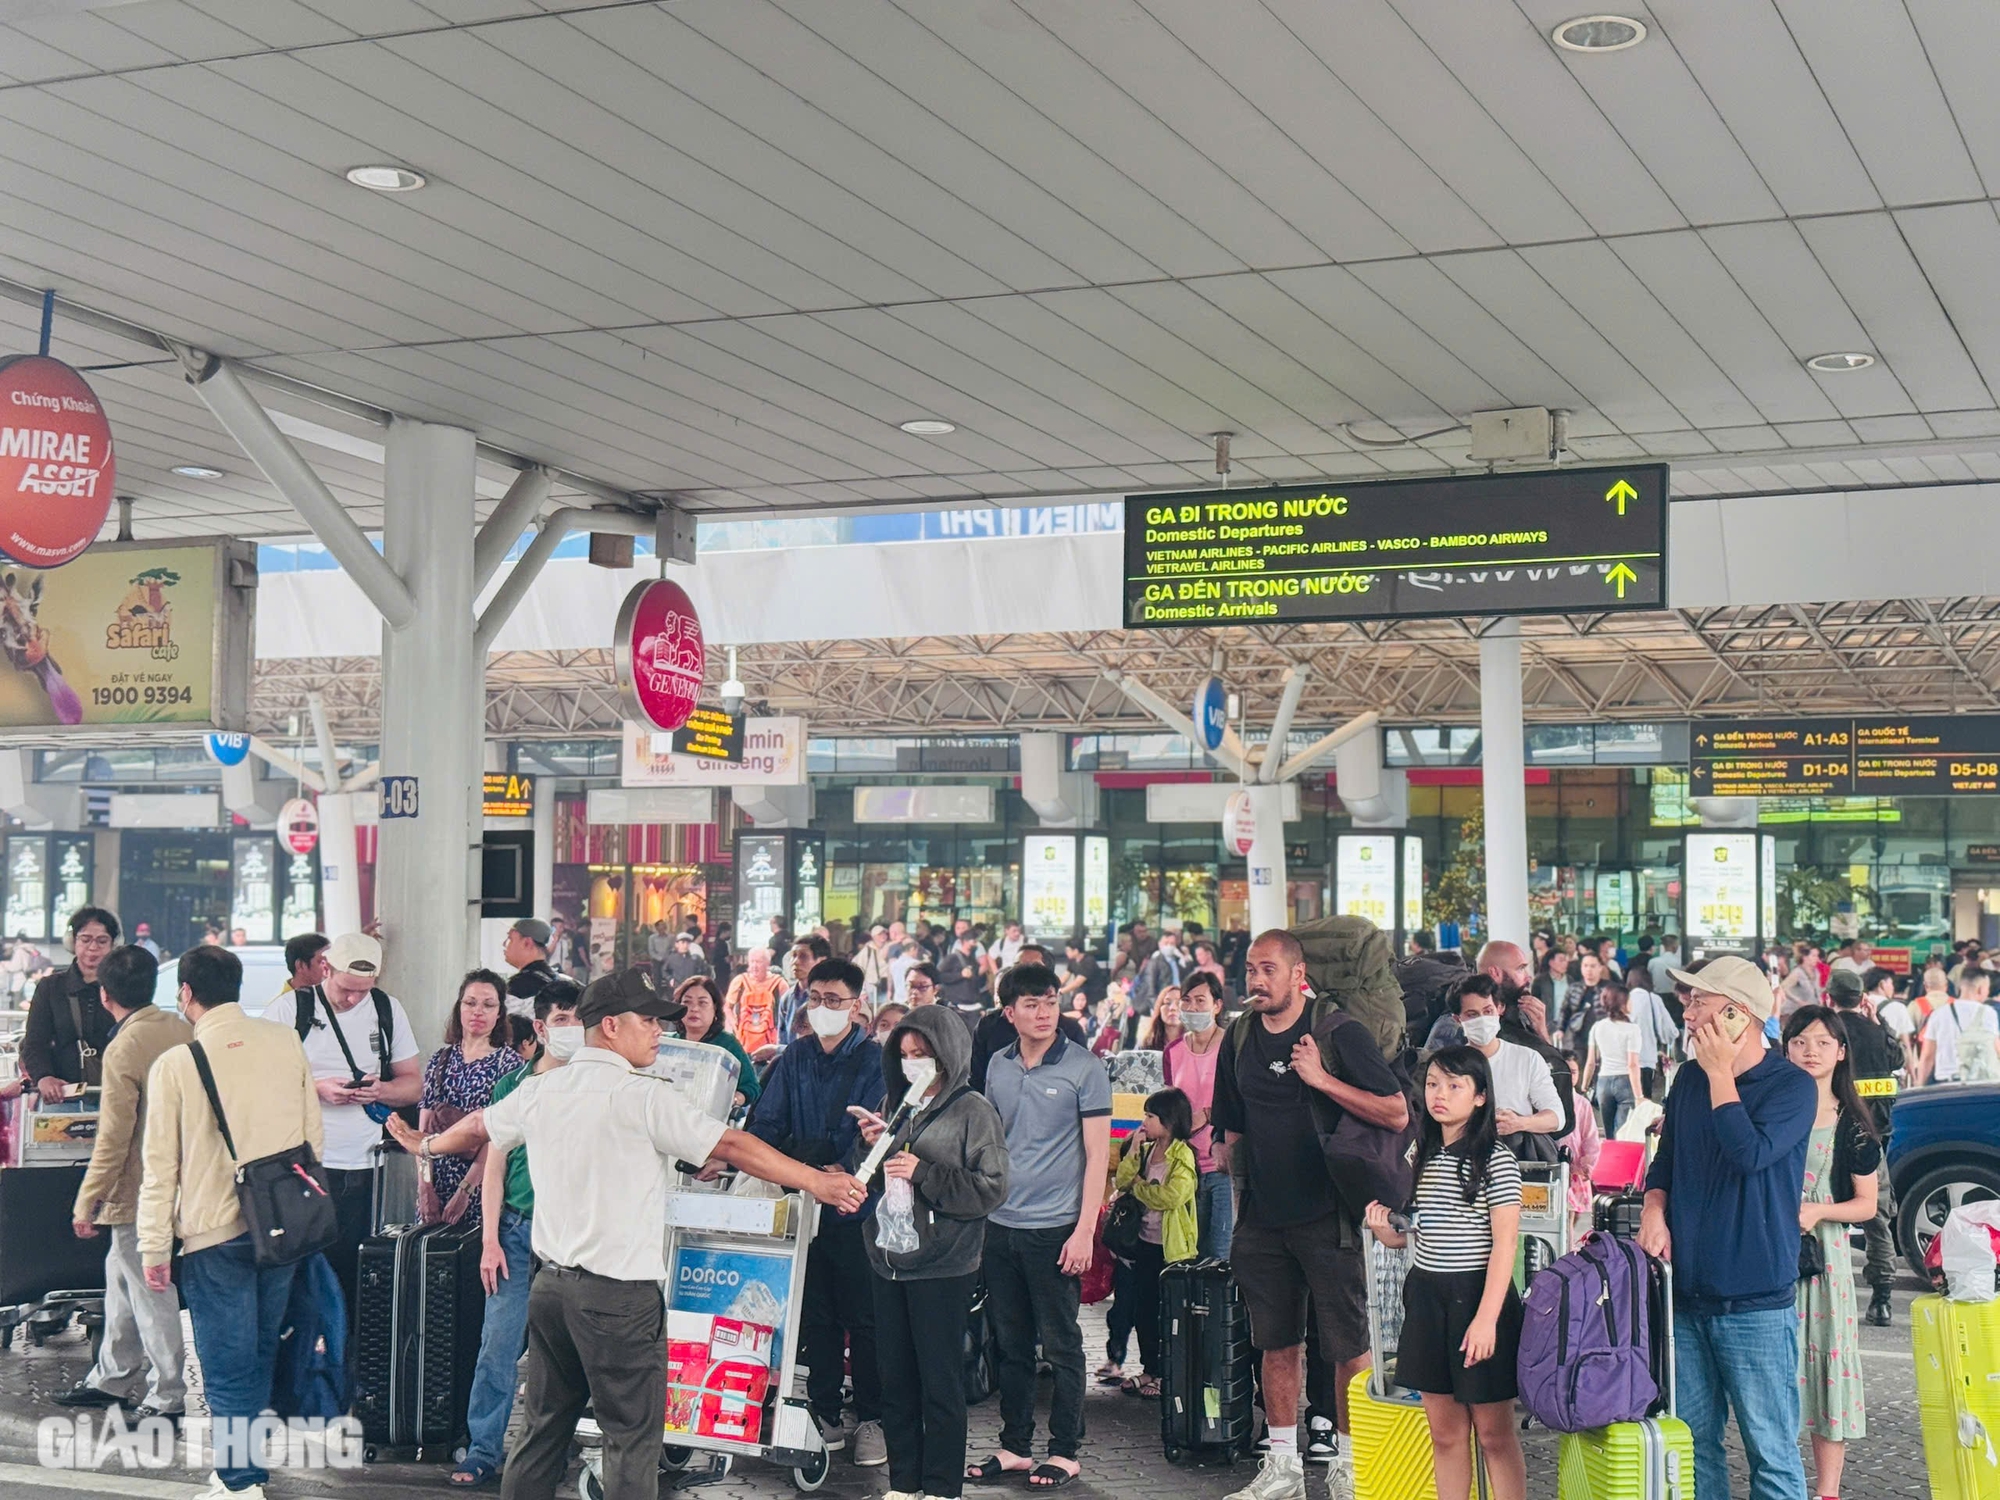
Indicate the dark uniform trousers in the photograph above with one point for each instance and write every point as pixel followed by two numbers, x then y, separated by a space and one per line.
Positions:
pixel 598 1341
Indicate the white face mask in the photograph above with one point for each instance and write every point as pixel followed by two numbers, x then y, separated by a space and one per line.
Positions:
pixel 1481 1031
pixel 922 1073
pixel 565 1042
pixel 1198 1021
pixel 825 1021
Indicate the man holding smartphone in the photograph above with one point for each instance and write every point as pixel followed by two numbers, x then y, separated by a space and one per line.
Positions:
pixel 363 1054
pixel 1722 1202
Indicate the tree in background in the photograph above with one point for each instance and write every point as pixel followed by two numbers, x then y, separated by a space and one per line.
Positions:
pixel 1461 889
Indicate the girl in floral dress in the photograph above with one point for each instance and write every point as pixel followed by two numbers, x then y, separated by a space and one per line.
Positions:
pixel 1839 1192
pixel 459 1079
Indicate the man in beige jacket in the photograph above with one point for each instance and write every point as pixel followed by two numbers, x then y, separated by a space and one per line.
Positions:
pixel 141 1326
pixel 237 1306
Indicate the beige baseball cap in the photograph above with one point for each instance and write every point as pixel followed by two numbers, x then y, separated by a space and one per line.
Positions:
pixel 355 953
pixel 1736 980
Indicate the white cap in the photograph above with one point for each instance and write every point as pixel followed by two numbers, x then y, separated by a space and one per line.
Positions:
pixel 355 953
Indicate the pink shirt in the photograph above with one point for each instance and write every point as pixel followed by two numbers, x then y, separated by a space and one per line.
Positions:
pixel 1193 1073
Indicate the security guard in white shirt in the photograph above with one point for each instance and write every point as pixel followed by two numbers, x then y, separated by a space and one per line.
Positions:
pixel 602 1140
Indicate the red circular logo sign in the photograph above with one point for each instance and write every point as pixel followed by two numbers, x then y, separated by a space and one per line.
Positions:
pixel 298 825
pixel 660 656
pixel 1239 824
pixel 56 466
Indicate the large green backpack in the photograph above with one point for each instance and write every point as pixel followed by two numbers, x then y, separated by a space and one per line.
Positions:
pixel 1349 960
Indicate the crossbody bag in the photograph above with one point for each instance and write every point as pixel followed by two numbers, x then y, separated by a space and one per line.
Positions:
pixel 283 1196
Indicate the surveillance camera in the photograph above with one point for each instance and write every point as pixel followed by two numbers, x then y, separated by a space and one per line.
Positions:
pixel 732 696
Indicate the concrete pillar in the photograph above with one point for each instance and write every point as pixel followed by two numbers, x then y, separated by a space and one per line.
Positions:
pixel 339 863
pixel 1270 905
pixel 433 723
pixel 1504 760
pixel 542 822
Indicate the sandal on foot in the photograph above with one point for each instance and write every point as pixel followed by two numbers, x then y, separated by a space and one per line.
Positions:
pixel 990 1470
pixel 1109 1374
pixel 1149 1387
pixel 472 1476
pixel 1050 1477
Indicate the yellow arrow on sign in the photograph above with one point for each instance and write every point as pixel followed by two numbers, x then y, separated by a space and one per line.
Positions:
pixel 1619 577
pixel 1621 492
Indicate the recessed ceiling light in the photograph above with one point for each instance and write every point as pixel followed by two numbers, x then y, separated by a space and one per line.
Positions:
pixel 1599 34
pixel 197 471
pixel 386 179
pixel 1839 364
pixel 927 427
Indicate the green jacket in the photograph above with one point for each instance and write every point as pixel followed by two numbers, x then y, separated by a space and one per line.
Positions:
pixel 1173 1199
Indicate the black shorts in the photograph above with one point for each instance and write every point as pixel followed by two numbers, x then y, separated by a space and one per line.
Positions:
pixel 1279 1268
pixel 1438 1307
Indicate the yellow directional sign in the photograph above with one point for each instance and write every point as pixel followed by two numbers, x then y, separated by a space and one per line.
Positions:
pixel 1621 492
pixel 1619 577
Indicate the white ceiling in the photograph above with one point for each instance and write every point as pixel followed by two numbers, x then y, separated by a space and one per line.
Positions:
pixel 722 247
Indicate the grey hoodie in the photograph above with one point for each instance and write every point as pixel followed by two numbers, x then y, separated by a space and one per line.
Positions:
pixel 961 1151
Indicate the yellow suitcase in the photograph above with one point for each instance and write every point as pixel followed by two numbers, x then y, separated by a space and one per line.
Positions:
pixel 1391 1443
pixel 1957 1346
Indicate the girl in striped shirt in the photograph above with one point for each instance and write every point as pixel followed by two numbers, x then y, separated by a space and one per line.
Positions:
pixel 1461 1317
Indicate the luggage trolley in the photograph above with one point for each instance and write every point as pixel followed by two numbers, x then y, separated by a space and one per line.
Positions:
pixel 736 1275
pixel 1545 1219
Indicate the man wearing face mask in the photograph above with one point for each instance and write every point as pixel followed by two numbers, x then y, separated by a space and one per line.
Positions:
pixel 803 1111
pixel 1525 1101
pixel 1524 1020
pixel 506 1261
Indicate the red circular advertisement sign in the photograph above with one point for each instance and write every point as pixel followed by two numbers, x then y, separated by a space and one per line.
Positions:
pixel 298 825
pixel 659 653
pixel 1239 824
pixel 56 467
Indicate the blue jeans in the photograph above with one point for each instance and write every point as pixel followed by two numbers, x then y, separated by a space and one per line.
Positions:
pixel 1747 1362
pixel 502 1336
pixel 238 1310
pixel 1614 1102
pixel 1215 1213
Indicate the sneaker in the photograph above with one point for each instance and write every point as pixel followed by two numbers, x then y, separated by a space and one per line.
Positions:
pixel 1279 1477
pixel 1880 1309
pixel 87 1395
pixel 902 1495
pixel 871 1449
pixel 1340 1476
pixel 1322 1442
pixel 217 1490
pixel 832 1436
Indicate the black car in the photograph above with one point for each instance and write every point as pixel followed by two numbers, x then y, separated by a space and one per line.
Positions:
pixel 1944 1150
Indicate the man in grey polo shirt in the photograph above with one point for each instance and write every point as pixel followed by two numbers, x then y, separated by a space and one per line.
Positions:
pixel 1054 1099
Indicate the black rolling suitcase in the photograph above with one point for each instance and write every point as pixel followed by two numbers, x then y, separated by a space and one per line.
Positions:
pixel 418 1309
pixel 1205 1389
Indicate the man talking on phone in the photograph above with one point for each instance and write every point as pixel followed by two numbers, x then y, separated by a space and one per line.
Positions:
pixel 1722 1203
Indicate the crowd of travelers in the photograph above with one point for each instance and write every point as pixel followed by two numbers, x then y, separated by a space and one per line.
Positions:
pixel 530 1122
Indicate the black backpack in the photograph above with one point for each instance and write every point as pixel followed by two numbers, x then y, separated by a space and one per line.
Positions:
pixel 308 1003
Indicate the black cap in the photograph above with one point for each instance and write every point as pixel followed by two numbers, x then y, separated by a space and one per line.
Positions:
pixel 633 991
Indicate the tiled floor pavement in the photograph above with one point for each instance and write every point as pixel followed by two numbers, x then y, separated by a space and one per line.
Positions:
pixel 1123 1460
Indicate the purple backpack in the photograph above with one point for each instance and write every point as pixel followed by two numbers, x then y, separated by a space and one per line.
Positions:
pixel 1586 1341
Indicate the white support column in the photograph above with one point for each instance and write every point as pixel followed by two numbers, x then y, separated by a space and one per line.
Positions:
pixel 433 723
pixel 339 864
pixel 1270 902
pixel 542 822
pixel 1504 761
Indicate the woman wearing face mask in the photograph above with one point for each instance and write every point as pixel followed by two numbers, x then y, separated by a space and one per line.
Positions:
pixel 953 1154
pixel 459 1080
pixel 1190 1066
pixel 703 1023
pixel 887 1019
pixel 505 1262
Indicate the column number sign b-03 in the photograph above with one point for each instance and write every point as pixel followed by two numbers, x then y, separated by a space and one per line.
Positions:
pixel 399 796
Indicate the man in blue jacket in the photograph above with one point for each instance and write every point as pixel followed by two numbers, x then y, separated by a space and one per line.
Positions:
pixel 803 1111
pixel 1722 1201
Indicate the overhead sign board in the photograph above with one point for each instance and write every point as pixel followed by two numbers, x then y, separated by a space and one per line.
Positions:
pixel 57 470
pixel 1211 713
pixel 1892 757
pixel 1493 544
pixel 144 633
pixel 710 734
pixel 507 794
pixel 298 825
pixel 773 754
pixel 229 749
pixel 659 654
